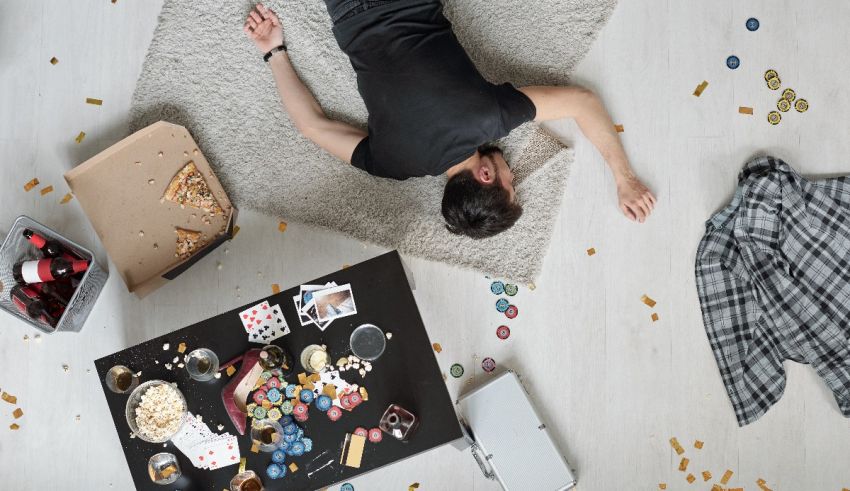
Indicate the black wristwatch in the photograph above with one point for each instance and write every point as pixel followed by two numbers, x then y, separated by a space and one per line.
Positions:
pixel 268 55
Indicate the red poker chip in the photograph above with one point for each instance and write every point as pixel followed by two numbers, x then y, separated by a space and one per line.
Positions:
pixel 300 409
pixel 300 418
pixel 355 399
pixel 503 332
pixel 334 413
pixel 488 364
pixel 345 401
pixel 375 435
pixel 360 431
pixel 259 396
pixel 511 312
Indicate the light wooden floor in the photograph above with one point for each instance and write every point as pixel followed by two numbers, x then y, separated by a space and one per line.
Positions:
pixel 612 385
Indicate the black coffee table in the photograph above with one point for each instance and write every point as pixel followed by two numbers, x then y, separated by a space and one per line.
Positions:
pixel 406 374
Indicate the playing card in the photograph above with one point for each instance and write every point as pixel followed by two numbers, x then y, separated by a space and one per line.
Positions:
pixel 271 328
pixel 223 452
pixel 252 317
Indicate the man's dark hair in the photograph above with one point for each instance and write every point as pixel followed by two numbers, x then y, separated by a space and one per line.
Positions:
pixel 478 210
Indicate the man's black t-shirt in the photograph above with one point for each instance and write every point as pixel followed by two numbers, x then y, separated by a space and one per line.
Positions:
pixel 429 107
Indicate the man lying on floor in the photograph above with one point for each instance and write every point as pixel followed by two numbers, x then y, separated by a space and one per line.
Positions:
pixel 431 112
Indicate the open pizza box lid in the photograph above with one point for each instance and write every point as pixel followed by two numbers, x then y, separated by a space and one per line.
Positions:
pixel 122 190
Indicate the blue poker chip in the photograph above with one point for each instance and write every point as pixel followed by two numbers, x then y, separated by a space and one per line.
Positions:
pixel 296 449
pixel 752 24
pixel 273 395
pixel 299 435
pixel 346 487
pixel 283 445
pixel 278 456
pixel 306 396
pixel 323 403
pixel 275 471
pixel 502 304
pixel 289 391
pixel 285 420
pixel 290 438
pixel 308 444
pixel 497 287
pixel 733 62
pixel 290 429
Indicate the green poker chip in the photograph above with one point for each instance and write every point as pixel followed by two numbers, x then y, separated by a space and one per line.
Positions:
pixel 456 370
pixel 511 289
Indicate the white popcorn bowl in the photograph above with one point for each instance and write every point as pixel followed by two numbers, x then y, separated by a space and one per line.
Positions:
pixel 136 399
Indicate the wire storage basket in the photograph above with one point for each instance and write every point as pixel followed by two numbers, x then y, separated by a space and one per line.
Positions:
pixel 16 248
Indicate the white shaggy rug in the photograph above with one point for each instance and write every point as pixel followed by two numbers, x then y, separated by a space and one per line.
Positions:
pixel 202 72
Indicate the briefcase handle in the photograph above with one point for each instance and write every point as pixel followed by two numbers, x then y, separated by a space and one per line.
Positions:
pixel 486 469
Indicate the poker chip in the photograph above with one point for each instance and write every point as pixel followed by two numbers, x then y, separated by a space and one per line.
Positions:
pixel 752 24
pixel 511 312
pixel 334 413
pixel 323 403
pixel 275 471
pixel 733 62
pixel 503 332
pixel 286 407
pixel 306 396
pixel 783 105
pixel 278 456
pixel 361 431
pixel 266 375
pixel 300 409
pixel 355 398
pixel 296 449
pixel 502 305
pixel 770 74
pixel 801 105
pixel 289 391
pixel 774 83
pixel 346 487
pixel 789 95
pixel 375 435
pixel 299 435
pixel 283 445
pixel 285 420
pixel 273 395
pixel 277 372
pixel 774 117
pixel 488 364
pixel 251 407
pixel 308 444
pixel 273 383
pixel 497 287
pixel 511 289
pixel 274 414
pixel 260 412
pixel 290 438
pixel 456 370
pixel 259 396
pixel 290 429
pixel 345 401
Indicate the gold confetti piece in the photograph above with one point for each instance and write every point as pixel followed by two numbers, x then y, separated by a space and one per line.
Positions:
pixel 275 288
pixel 9 398
pixel 281 226
pixel 675 444
pixel 413 486
pixel 17 413
pixel 13 426
pixel 68 197
pixel 255 448
pixel 706 475
pixel 654 318
pixel 618 128
pixel 745 110
pixel 763 484
pixel 683 464
pixel 230 370
pixel 302 378
pixel 735 489
pixel 698 444
pixel 181 348
pixel 93 101
pixel 648 301
pixel 437 347
pixel 691 478
pixel 54 60
pixel 80 137
pixel 717 487
pixel 591 251
pixel 726 476
pixel 293 467
pixel 235 230
pixel 662 485
pixel 700 88
pixel 33 183
pixel 346 266
pixel 47 190
pixel 242 462
pixel 364 394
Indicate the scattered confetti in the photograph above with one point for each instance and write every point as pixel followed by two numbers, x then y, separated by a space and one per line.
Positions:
pixel 675 444
pixel 66 368
pixel 68 197
pixel 618 128
pixel 654 317
pixel 691 478
pixel 242 463
pixel 181 348
pixel 275 288
pixel 17 413
pixel 763 484
pixel 745 110
pixel 281 226
pixel 701 87
pixel 9 398
pixel 683 464
pixel 46 190
pixel 698 444
pixel 648 301
pixel 235 230
pixel 54 60
pixel 80 137
pixel 726 476
pixel 293 467
pixel 255 448
pixel 662 485
pixel 413 486
pixel 437 347
pixel 706 475
pixel 230 370
pixel 31 184
pixel 13 427
pixel 93 101
pixel 591 251
pixel 717 487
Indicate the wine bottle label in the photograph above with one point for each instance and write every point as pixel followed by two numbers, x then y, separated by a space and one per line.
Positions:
pixel 38 240
pixel 36 271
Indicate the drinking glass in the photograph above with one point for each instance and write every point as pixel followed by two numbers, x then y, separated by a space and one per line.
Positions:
pixel 314 358
pixel 246 481
pixel 368 342
pixel 163 468
pixel 202 364
pixel 267 434
pixel 121 380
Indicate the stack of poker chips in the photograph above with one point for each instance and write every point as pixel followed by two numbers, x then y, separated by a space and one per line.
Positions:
pixel 294 445
pixel 788 99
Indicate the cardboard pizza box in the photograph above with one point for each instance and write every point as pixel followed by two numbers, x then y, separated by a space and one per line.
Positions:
pixel 122 190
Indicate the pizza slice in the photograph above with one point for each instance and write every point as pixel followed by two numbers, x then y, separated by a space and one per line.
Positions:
pixel 188 241
pixel 189 187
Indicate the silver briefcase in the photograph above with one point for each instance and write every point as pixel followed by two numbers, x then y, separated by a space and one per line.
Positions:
pixel 508 440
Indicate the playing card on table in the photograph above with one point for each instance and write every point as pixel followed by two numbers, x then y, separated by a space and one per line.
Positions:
pixel 225 452
pixel 270 328
pixel 191 433
pixel 253 317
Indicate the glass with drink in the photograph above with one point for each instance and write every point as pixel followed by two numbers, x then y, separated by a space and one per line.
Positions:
pixel 202 364
pixel 121 380
pixel 274 356
pixel 314 358
pixel 398 422
pixel 267 434
pixel 163 468
pixel 246 481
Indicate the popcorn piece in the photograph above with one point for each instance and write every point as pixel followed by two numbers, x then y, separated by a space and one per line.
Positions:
pixel 389 335
pixel 166 347
pixel 31 184
pixel 618 128
pixel 220 427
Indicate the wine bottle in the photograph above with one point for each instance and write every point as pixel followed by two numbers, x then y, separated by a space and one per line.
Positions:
pixel 42 270
pixel 50 248
pixel 30 304
pixel 60 291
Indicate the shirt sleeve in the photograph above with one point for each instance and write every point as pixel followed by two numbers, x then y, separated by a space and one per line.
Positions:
pixel 515 107
pixel 363 159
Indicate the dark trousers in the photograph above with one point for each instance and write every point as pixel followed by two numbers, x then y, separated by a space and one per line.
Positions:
pixel 341 10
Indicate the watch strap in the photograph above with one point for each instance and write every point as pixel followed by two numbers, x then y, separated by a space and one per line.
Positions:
pixel 271 52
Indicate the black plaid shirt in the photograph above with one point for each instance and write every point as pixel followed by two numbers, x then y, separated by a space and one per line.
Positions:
pixel 773 277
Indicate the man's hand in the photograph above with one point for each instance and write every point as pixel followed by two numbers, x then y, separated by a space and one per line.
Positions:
pixel 263 27
pixel 635 199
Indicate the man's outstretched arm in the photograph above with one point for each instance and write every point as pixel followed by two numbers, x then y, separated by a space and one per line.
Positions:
pixel 636 201
pixel 337 138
